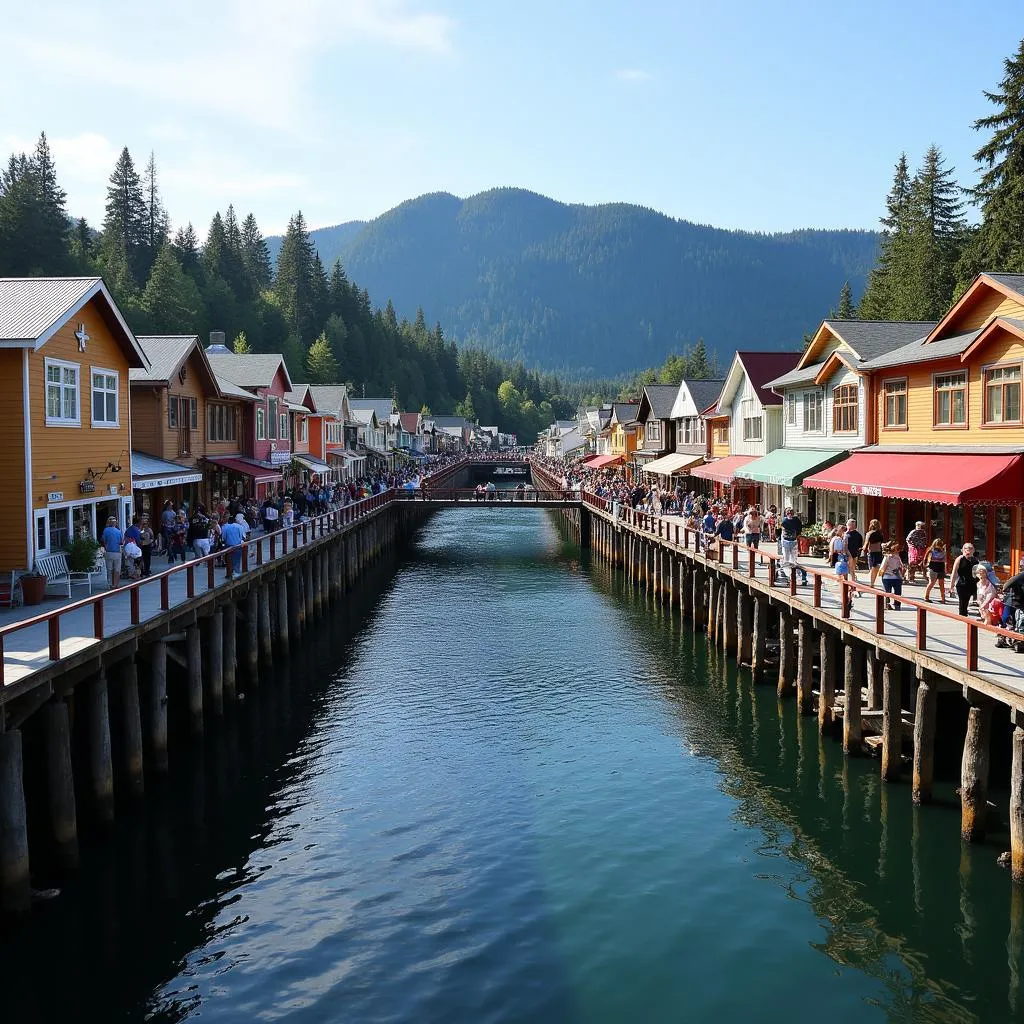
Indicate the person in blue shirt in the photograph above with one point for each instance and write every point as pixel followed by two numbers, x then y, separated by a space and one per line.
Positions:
pixel 707 526
pixel 232 534
pixel 724 528
pixel 112 540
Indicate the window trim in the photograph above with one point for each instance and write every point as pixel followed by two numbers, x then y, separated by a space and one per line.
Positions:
pixel 905 425
pixel 759 420
pixel 791 404
pixel 855 405
pixel 1008 364
pixel 272 420
pixel 103 424
pixel 967 401
pixel 62 421
pixel 261 423
pixel 230 415
pixel 818 403
pixel 283 433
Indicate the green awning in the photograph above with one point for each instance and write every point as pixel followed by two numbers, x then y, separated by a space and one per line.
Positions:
pixel 789 466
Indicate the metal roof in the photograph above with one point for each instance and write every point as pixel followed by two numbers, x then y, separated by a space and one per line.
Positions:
pixel 249 371
pixel 329 398
pixel 761 367
pixel 30 306
pixel 165 353
pixel 804 375
pixel 150 465
pixel 230 390
pixel 383 407
pixel 660 398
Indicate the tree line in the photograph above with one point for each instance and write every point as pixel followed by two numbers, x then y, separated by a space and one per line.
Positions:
pixel 930 251
pixel 170 282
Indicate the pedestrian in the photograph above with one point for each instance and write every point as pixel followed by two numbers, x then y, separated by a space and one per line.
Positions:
pixel 1013 606
pixel 874 541
pixel 232 535
pixel 146 544
pixel 167 521
pixel 792 527
pixel 917 543
pixel 988 596
pixel 199 532
pixel 854 546
pixel 841 563
pixel 753 523
pixel 893 572
pixel 963 577
pixel 936 559
pixel 112 540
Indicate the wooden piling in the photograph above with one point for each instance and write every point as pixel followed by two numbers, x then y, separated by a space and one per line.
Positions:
pixel 892 720
pixel 62 814
pixel 787 659
pixel 266 636
pixel 760 642
pixel 308 611
pixel 131 728
pixel 294 586
pixel 828 669
pixel 194 671
pixel 215 682
pixel 698 602
pixel 805 665
pixel 157 706
pixel 101 765
pixel 730 620
pixel 925 711
pixel 853 671
pixel 873 667
pixel 974 768
pixel 283 619
pixel 745 625
pixel 1017 799
pixel 230 650
pixel 15 889
pixel 686 586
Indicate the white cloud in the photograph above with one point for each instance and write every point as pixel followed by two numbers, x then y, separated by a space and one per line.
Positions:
pixel 633 75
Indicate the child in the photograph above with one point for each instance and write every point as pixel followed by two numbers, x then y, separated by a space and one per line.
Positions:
pixel 988 596
pixel 842 565
pixel 893 571
pixel 936 560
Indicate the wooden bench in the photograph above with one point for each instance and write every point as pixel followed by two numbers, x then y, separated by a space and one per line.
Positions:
pixel 55 569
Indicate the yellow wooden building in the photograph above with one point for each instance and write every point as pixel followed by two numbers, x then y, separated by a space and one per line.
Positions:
pixel 65 355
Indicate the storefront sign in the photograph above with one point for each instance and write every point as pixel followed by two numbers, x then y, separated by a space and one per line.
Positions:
pixel 280 458
pixel 166 481
pixel 869 490
pixel 87 486
pixel 55 496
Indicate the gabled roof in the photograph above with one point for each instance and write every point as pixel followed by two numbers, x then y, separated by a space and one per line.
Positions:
pixel 33 309
pixel 256 370
pixel 229 389
pixel 624 412
pixel 867 339
pixel 364 417
pixel 330 399
pixel 301 395
pixel 701 393
pixel 759 368
pixel 166 354
pixel 920 352
pixel 657 400
pixel 453 421
pixel 383 407
pixel 410 421
pixel 1008 285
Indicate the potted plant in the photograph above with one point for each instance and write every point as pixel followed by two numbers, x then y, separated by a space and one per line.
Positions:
pixel 33 587
pixel 81 553
pixel 812 541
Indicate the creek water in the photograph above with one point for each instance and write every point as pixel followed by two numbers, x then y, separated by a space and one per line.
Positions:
pixel 501 786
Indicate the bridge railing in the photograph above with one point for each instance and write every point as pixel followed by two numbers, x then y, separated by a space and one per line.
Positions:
pixel 470 496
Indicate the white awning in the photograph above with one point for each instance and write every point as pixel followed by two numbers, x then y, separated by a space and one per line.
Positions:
pixel 149 473
pixel 668 465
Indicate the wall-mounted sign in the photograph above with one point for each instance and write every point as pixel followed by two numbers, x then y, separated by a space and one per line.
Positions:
pixel 166 481
pixel 112 489
pixel 55 496
pixel 280 458
pixel 87 486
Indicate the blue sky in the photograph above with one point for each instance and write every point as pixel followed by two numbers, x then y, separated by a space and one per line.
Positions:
pixel 756 115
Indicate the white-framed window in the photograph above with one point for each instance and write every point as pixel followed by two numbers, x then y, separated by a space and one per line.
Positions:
pixel 895 406
pixel 272 418
pixel 261 423
pixel 303 430
pixel 751 428
pixel 62 405
pixel 791 410
pixel 814 412
pixel 104 397
pixel 652 430
pixel 950 403
pixel 220 422
pixel 1002 394
pixel 284 426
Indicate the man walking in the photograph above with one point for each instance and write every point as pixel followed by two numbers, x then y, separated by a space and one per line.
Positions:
pixel 854 545
pixel 112 541
pixel 232 535
pixel 792 527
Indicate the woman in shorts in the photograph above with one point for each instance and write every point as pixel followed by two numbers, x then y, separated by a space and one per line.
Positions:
pixel 935 559
pixel 873 542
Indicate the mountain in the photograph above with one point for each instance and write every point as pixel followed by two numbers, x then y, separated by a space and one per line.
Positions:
pixel 332 243
pixel 595 290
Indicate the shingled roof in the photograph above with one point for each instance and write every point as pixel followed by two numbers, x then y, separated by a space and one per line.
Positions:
pixel 872 338
pixel 249 371
pixel 762 367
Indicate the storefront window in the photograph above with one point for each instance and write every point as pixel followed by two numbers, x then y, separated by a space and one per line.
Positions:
pixel 956 528
pixel 979 531
pixel 936 522
pixel 58 529
pixel 891 514
pixel 81 520
pixel 1004 519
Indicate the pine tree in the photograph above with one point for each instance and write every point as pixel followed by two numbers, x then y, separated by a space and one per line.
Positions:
pixel 698 368
pixel 240 346
pixel 186 248
pixel 51 215
pixel 123 249
pixel 321 365
pixel 233 261
pixel 81 245
pixel 171 297
pixel 876 301
pixel 158 224
pixel 999 243
pixel 466 409
pixel 295 286
pixel 215 257
pixel 255 256
pixel 846 310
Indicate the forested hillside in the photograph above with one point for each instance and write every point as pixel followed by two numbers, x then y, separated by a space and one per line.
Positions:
pixel 595 290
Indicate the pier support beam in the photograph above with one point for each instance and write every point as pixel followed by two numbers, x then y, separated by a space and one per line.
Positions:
pixel 294 585
pixel 230 650
pixel 101 765
pixel 892 720
pixel 194 671
pixel 745 626
pixel 787 655
pixel 805 663
pixel 308 605
pixel 215 683
pixel 131 727
pixel 282 612
pixel 827 659
pixel 760 641
pixel 699 589
pixel 925 709
pixel 873 667
pixel 974 768
pixel 1017 799
pixel 853 674
pixel 15 891
pixel 60 785
pixel 157 706
pixel 730 618
pixel 262 621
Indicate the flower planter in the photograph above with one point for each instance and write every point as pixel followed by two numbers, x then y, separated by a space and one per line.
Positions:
pixel 33 588
pixel 803 545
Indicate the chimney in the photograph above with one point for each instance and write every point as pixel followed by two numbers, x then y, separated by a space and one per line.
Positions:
pixel 217 343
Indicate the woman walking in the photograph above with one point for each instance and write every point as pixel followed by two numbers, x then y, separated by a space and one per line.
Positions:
pixel 753 523
pixel 936 559
pixel 963 577
pixel 893 571
pixel 874 542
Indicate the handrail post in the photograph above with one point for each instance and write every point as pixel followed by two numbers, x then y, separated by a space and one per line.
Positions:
pixel 972 647
pixel 133 604
pixel 210 581
pixel 190 580
pixel 165 592
pixel 735 556
pixel 751 568
pixel 817 590
pixel 879 614
pixel 53 636
pixel 845 599
pixel 97 619
pixel 922 629
pixel 792 577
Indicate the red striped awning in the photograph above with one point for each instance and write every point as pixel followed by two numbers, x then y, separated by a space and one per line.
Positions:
pixel 602 461
pixel 722 471
pixel 942 479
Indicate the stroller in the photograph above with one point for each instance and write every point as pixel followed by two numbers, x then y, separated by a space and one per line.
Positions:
pixel 131 561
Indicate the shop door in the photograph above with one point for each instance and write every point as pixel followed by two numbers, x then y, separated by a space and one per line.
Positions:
pixel 105 509
pixel 914 512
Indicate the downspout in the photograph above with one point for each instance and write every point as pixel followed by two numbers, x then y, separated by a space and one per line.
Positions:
pixel 27 427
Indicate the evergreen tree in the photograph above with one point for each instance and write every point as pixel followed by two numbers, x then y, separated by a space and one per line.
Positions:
pixel 186 248
pixel 321 365
pixel 698 367
pixel 51 215
pixel 158 224
pixel 240 346
pixel 999 243
pixel 124 246
pixel 876 301
pixel 81 245
pixel 215 258
pixel 233 265
pixel 296 287
pixel 846 310
pixel 255 256
pixel 466 409
pixel 171 297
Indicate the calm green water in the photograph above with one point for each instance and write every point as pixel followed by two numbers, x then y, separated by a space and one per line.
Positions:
pixel 502 788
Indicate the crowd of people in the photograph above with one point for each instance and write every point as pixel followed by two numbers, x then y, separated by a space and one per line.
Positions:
pixel 892 561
